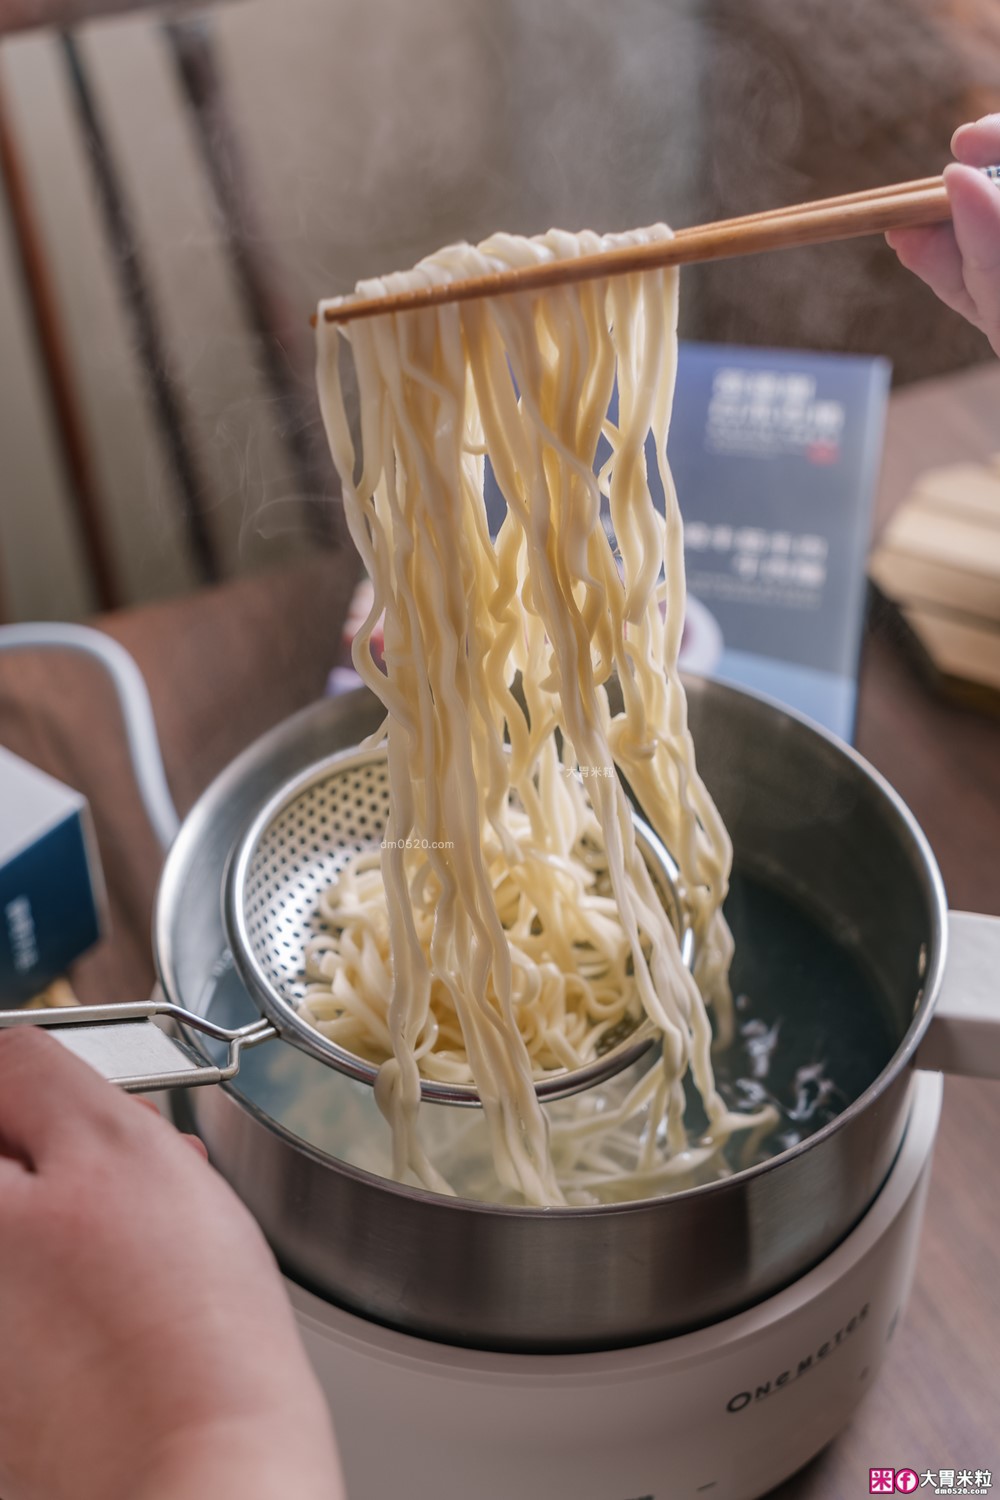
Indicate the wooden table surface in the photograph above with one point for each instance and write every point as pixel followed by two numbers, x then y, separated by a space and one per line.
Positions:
pixel 937 1402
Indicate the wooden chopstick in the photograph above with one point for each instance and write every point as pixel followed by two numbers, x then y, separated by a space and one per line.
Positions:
pixel 898 206
pixel 868 195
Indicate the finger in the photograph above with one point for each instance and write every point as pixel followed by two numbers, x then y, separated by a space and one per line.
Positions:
pixel 12 1166
pixel 194 1141
pixel 47 1096
pixel 978 145
pixel 934 256
pixel 975 212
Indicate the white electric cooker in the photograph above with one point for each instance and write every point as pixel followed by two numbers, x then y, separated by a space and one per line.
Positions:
pixel 727 1412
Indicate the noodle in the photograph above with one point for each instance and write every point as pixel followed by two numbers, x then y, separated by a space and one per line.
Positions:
pixel 510 923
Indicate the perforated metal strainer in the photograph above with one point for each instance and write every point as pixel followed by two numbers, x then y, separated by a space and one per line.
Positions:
pixel 294 851
pixel 289 856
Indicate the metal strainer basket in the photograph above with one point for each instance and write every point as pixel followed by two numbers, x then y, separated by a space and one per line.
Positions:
pixel 288 857
pixel 292 853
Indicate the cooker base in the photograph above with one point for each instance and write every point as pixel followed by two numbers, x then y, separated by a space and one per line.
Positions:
pixel 724 1413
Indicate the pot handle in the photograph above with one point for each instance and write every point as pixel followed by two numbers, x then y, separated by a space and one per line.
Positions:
pixel 123 1043
pixel 964 1034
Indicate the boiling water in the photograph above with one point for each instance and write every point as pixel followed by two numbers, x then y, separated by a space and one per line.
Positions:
pixel 812 1032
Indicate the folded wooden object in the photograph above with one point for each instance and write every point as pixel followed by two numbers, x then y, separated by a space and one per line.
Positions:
pixel 938 561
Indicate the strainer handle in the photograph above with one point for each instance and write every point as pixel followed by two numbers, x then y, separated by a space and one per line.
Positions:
pixel 123 1043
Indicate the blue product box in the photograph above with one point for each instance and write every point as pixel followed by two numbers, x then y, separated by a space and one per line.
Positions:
pixel 776 455
pixel 52 898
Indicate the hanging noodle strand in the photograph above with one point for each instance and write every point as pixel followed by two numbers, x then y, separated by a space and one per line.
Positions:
pixel 510 926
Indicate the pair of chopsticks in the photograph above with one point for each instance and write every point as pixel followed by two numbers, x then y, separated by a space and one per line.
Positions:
pixel 903 205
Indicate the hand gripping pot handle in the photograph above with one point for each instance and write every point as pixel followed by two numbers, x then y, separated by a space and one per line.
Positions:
pixel 964 1032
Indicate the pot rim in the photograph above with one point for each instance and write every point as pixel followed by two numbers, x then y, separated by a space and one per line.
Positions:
pixel 925 1000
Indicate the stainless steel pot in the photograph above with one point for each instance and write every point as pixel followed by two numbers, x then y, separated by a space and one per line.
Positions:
pixel 808 816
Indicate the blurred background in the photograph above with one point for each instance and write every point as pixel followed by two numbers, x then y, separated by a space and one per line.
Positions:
pixel 179 187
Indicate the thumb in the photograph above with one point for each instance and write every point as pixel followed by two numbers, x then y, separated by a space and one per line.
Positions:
pixel 975 209
pixel 978 145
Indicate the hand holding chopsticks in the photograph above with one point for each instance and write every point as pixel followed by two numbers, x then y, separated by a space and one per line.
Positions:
pixel 900 206
pixel 961 261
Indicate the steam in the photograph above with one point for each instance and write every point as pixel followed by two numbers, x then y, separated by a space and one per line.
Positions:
pixel 809 100
pixel 372 131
